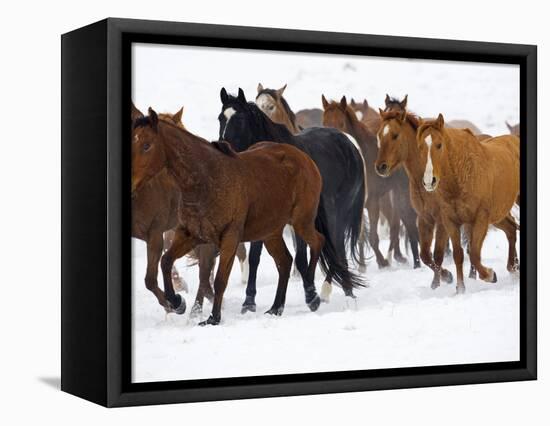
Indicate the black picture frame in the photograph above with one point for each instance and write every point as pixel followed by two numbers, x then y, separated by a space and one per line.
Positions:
pixel 96 275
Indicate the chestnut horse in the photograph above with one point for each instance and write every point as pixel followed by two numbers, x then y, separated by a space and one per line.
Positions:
pixel 398 147
pixel 227 198
pixel 339 115
pixel 465 174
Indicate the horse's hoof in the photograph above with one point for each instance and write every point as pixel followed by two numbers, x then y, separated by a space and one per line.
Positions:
pixel 196 310
pixel 362 269
pixel 248 307
pixel 210 321
pixel 383 263
pixel 181 307
pixel 276 311
pixel 447 276
pixel 349 293
pixel 400 259
pixel 416 264
pixel 435 284
pixel 473 275
pixel 460 289
pixel 494 280
pixel 314 304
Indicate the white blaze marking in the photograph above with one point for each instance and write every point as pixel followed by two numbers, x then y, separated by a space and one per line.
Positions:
pixel 263 102
pixel 228 114
pixel 359 115
pixel 428 173
pixel 385 131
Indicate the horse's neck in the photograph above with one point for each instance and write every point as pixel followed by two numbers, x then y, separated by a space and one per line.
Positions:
pixel 412 161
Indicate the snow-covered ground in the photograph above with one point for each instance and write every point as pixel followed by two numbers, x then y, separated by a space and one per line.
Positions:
pixel 398 321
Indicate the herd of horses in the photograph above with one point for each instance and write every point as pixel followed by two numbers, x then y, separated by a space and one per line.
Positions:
pixel 316 170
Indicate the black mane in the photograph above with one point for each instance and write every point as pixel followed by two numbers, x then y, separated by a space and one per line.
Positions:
pixel 142 122
pixel 273 94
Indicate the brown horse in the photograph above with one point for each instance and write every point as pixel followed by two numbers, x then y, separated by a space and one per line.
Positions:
pixel 153 213
pixel 366 114
pixel 513 129
pixel 342 117
pixel 275 106
pixel 465 173
pixel 227 198
pixel 398 147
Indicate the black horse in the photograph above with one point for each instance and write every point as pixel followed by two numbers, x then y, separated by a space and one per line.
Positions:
pixel 340 213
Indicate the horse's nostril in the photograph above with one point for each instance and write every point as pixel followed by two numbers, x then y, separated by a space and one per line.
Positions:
pixel 382 167
pixel 434 180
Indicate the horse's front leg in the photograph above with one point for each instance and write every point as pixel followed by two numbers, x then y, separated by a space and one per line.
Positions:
pixel 373 209
pixel 154 251
pixel 182 244
pixel 391 213
pixel 441 240
pixel 228 247
pixel 479 231
pixel 458 253
pixel 253 262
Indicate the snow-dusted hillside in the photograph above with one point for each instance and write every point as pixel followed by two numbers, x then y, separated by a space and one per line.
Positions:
pixel 398 320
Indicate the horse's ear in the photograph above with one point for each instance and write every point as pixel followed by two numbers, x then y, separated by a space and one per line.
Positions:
pixel 387 100
pixel 260 88
pixel 343 102
pixel 440 122
pixel 365 104
pixel 241 96
pixel 325 102
pixel 153 119
pixel 381 112
pixel 403 103
pixel 352 103
pixel 281 90
pixel 136 113
pixel 177 116
pixel 507 125
pixel 224 96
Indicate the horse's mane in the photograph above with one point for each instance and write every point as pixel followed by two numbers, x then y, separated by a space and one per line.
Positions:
pixel 393 102
pixel 286 107
pixel 262 124
pixel 221 146
pixel 413 119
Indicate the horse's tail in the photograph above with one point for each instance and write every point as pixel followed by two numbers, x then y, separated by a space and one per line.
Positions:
pixel 354 226
pixel 330 261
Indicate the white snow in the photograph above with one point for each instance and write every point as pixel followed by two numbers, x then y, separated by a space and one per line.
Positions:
pixel 398 321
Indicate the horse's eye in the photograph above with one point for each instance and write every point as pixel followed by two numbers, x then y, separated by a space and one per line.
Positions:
pixel 438 146
pixel 146 147
pixel 394 136
pixel 271 107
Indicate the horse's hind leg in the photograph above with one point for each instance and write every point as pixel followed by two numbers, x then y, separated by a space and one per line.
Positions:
pixel 181 245
pixel 408 217
pixel 253 261
pixel 466 238
pixel 510 229
pixel 479 231
pixel 315 241
pixel 241 255
pixel 312 299
pixel 394 221
pixel 283 260
pixel 154 251
pixel 228 248
pixel 458 254
pixel 206 254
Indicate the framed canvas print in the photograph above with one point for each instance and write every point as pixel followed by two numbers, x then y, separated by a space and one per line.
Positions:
pixel 254 212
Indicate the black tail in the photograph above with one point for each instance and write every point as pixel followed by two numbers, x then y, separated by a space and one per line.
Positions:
pixel 354 223
pixel 331 263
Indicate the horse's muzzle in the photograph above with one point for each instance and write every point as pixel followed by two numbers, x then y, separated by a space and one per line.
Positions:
pixel 430 186
pixel 383 170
